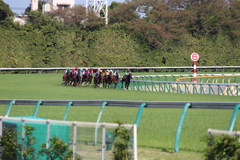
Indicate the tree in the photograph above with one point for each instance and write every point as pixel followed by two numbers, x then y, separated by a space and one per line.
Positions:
pixel 123 13
pixel 5 11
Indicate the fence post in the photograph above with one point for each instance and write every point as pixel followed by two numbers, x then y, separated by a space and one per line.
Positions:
pixel 139 114
pixel 98 120
pixel 177 139
pixel 23 135
pixel 36 108
pixel 103 141
pixel 74 139
pixel 234 116
pixel 9 107
pixel 1 132
pixel 67 109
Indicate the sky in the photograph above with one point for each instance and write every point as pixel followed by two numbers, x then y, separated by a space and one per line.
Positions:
pixel 19 6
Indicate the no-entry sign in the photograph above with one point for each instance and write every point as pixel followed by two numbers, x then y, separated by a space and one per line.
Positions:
pixel 194 57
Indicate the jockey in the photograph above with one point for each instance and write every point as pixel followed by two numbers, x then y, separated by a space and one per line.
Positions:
pixel 128 71
pixel 107 73
pixel 117 73
pixel 110 72
pixel 87 71
pixel 67 70
pixel 76 70
pixel 81 72
pixel 91 71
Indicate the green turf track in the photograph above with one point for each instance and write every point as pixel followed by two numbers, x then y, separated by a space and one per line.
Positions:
pixel 157 127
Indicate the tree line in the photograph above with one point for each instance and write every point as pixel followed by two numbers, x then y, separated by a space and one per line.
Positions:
pixel 140 33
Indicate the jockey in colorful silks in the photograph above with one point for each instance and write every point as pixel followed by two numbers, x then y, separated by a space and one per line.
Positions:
pixel 81 72
pixel 128 71
pixel 111 72
pixel 117 73
pixel 91 71
pixel 107 73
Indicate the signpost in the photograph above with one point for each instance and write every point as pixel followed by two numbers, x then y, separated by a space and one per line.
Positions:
pixel 194 57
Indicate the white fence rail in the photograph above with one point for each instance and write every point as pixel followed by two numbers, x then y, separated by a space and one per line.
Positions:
pixel 221 132
pixel 80 140
pixel 169 69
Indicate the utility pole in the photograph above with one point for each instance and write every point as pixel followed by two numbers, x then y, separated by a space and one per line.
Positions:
pixel 97 6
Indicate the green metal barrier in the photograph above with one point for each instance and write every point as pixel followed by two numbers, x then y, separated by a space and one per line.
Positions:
pixel 9 107
pixel 234 117
pixel 186 87
pixel 98 120
pixel 36 108
pixel 139 114
pixel 67 109
pixel 177 139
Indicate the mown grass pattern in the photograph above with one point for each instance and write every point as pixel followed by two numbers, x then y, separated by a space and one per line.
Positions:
pixel 157 127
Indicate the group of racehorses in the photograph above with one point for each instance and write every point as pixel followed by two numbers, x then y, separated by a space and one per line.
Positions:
pixel 100 79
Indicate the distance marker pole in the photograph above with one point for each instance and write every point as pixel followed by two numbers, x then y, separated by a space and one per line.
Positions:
pixel 194 57
pixel 194 71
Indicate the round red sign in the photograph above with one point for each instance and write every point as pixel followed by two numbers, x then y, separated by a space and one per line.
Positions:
pixel 194 56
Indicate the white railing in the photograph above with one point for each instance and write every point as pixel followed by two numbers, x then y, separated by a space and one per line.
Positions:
pixel 183 68
pixel 75 134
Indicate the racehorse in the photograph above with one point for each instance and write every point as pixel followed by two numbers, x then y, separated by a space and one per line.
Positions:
pixel 75 79
pixel 98 79
pixel 65 79
pixel 86 79
pixel 115 80
pixel 126 80
pixel 107 81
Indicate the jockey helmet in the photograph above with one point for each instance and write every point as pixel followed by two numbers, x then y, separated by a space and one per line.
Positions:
pixel 110 70
pixel 86 69
pixel 128 69
pixel 81 68
pixel 116 70
pixel 76 67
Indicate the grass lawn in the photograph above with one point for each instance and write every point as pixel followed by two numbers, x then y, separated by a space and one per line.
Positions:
pixel 157 128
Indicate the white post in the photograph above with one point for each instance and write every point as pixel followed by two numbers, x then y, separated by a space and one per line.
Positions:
pixel 23 135
pixel 103 141
pixel 48 134
pixel 74 139
pixel 106 15
pixel 135 141
pixel 1 130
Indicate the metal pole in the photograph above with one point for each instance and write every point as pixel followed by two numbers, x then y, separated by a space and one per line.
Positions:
pixel 36 108
pixel 139 114
pixel 103 141
pixel 234 116
pixel 177 139
pixel 9 107
pixel 67 109
pixel 98 120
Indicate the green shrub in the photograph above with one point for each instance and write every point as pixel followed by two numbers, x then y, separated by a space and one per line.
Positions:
pixel 9 144
pixel 57 150
pixel 221 147
pixel 121 143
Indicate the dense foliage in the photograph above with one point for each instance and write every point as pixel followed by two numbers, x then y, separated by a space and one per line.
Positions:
pixel 222 147
pixel 139 33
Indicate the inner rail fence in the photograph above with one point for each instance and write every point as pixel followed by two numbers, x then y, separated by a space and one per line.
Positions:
pixel 141 104
pixel 185 87
pixel 135 69
pixel 220 84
